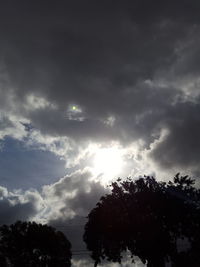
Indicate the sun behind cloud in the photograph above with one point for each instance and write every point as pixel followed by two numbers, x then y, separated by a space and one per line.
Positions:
pixel 107 163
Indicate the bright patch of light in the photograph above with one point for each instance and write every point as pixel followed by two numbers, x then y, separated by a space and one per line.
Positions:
pixel 108 163
pixel 74 112
pixel 74 108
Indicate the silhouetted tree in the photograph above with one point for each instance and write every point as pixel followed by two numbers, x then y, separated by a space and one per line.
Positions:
pixel 33 245
pixel 149 219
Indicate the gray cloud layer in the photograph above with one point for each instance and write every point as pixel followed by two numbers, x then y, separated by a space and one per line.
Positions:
pixel 19 205
pixel 134 62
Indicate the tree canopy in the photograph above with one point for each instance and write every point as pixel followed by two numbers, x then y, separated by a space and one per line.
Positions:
pixel 156 221
pixel 30 244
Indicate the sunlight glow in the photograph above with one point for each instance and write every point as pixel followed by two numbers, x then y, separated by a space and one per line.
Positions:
pixel 107 163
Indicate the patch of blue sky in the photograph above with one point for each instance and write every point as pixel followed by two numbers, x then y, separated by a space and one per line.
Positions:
pixel 23 168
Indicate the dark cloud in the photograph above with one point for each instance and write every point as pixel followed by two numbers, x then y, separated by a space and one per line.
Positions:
pixel 180 147
pixel 10 214
pixel 18 205
pixel 77 194
pixel 101 56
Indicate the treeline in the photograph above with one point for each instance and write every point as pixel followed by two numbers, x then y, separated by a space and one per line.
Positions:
pixel 28 244
pixel 157 221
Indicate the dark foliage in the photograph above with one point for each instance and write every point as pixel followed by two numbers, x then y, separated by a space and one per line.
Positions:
pixel 33 245
pixel 153 220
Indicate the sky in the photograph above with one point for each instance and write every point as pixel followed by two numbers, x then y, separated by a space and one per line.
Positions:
pixel 91 91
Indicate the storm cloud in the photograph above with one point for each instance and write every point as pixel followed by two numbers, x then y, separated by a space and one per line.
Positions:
pixel 133 63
